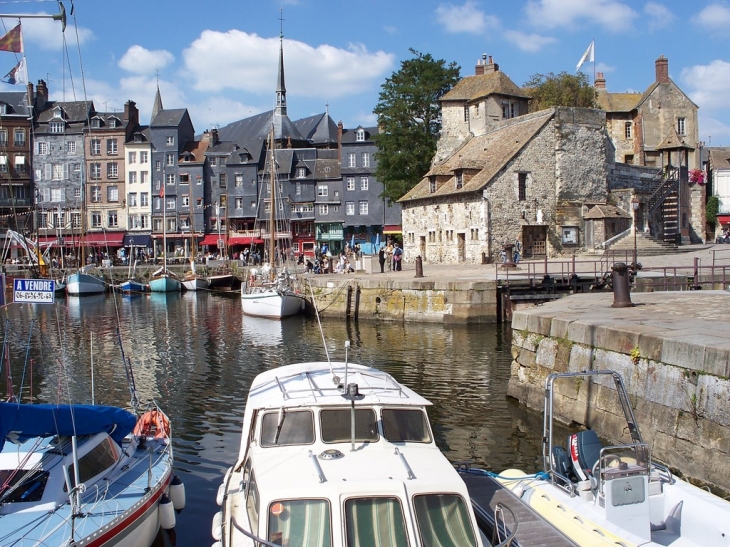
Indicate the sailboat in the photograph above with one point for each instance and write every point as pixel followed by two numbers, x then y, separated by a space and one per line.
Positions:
pixel 164 280
pixel 132 285
pixel 191 281
pixel 269 292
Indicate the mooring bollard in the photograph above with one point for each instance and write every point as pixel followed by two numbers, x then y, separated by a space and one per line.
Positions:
pixel 621 287
pixel 419 266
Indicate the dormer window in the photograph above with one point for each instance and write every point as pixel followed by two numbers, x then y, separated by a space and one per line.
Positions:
pixel 360 135
pixel 459 180
pixel 137 137
pixel 57 127
pixel 432 184
pixel 301 172
pixel 3 108
pixel 170 141
pixel 95 123
pixel 114 122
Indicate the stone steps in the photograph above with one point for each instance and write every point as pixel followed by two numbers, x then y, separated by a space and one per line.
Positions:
pixel 645 245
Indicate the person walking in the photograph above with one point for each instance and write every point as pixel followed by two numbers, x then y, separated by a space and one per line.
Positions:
pixel 389 255
pixel 397 258
pixel 381 258
pixel 517 254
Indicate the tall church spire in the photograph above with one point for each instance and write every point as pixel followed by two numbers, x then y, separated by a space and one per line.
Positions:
pixel 280 87
pixel 157 106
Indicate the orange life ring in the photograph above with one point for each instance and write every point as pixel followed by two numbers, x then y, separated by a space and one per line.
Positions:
pixel 153 423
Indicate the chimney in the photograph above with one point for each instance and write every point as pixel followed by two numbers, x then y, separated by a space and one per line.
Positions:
pixel 339 140
pixel 600 81
pixel 41 92
pixel 662 70
pixel 131 114
pixel 214 136
pixel 491 66
pixel 479 69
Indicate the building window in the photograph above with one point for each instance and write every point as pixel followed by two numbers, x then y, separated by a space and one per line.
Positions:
pixel 365 156
pixel 364 183
pixel 627 130
pixel 111 147
pixel 350 183
pixel 57 172
pixel 19 137
pixel 143 175
pixel 569 235
pixel 112 170
pixel 301 172
pixel 96 220
pixel 432 184
pixel 112 193
pixel 112 219
pixel 133 157
pixel 363 207
pixel 360 135
pixel 3 163
pixel 132 177
pixel 95 171
pixel 239 203
pixel 170 204
pixel 239 180
pixel 170 178
pixel 184 178
pixel 144 199
pixel 349 207
pixel 466 112
pixel 322 190
pixel 169 159
pixel 185 201
pixel 71 147
pixel 223 180
pixel 459 178
pixel 77 167
pixel 143 157
pixel 681 129
pixel 95 147
pixel 158 225
pixel 629 158
pixel 42 148
pixel 522 186
pixel 132 199
pixel 324 209
pixel 58 194
pixel 351 160
pixel 3 137
pixel 158 166
pixel 170 141
pixel 298 188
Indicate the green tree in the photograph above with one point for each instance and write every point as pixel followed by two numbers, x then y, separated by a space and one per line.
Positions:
pixel 563 89
pixel 711 210
pixel 409 118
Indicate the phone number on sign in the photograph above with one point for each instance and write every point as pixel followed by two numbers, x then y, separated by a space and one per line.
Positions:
pixel 33 296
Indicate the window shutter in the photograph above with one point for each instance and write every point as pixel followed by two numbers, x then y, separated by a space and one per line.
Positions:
pixel 49 171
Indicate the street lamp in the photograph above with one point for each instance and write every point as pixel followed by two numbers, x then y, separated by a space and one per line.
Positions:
pixel 635 206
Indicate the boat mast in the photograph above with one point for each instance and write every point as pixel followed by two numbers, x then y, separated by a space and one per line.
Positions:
pixel 164 223
pixel 272 213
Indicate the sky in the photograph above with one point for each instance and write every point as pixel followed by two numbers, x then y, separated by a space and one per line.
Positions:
pixel 219 58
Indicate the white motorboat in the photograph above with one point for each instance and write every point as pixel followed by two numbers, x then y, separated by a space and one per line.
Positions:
pixel 335 454
pixel 84 475
pixel 615 495
pixel 275 299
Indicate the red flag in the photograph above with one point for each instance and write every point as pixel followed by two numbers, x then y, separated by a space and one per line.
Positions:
pixel 12 41
pixel 162 191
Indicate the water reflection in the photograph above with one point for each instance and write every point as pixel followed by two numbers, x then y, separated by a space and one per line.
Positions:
pixel 196 354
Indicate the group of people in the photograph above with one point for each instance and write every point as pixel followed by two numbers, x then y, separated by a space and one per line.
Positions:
pixel 392 254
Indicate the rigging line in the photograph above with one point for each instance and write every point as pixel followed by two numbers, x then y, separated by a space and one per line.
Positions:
pixel 27 360
pixel 321 331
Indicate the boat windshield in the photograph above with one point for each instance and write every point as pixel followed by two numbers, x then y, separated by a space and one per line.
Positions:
pixel 443 520
pixel 336 425
pixel 375 521
pixel 300 523
pixel 405 425
pixel 287 428
pixel 96 461
pixel 22 485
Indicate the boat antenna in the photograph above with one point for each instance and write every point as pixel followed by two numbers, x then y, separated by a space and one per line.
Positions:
pixel 335 378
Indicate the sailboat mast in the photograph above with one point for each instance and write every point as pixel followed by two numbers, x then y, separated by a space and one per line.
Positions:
pixel 164 223
pixel 272 213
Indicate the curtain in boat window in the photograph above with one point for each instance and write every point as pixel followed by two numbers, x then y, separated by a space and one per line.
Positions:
pixel 443 521
pixel 300 523
pixel 375 522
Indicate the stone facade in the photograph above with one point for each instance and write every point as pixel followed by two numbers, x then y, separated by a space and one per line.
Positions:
pixel 529 178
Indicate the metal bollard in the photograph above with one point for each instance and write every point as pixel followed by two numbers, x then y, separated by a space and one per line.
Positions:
pixel 419 266
pixel 621 287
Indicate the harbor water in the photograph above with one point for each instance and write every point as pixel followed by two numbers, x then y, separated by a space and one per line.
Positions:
pixel 196 355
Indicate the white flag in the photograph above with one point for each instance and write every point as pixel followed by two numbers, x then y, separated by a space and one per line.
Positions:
pixel 588 57
pixel 17 76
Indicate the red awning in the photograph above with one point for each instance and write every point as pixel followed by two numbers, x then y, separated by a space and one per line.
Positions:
pixel 103 239
pixel 212 239
pixel 392 229
pixel 244 240
pixel 723 219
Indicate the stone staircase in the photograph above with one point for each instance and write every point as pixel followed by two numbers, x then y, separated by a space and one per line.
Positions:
pixel 645 245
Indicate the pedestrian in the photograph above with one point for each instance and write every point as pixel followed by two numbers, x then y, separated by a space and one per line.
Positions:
pixel 518 251
pixel 381 258
pixel 397 258
pixel 389 255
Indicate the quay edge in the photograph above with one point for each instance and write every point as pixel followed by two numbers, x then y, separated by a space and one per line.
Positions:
pixel 673 350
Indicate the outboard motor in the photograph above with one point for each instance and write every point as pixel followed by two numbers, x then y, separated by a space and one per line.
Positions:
pixel 585 449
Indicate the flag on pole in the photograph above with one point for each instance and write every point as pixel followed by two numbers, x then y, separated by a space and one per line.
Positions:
pixel 12 41
pixel 18 75
pixel 588 56
pixel 162 191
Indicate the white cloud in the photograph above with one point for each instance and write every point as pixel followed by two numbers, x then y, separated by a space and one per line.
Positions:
pixel 707 85
pixel 218 112
pixel 658 15
pixel 465 18
pixel 715 17
pixel 610 14
pixel 144 61
pixel 248 62
pixel 713 131
pixel 528 42
pixel 46 33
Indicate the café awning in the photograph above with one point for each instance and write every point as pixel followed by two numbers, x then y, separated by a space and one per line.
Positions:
pixel 212 239
pixel 244 240
pixel 103 239
pixel 392 229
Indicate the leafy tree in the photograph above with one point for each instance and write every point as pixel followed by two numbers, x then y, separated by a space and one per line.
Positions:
pixel 711 210
pixel 409 118
pixel 563 89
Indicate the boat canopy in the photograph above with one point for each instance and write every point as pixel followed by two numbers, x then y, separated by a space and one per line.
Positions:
pixel 20 421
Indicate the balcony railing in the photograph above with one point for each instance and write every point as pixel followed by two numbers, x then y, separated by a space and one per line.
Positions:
pixel 15 202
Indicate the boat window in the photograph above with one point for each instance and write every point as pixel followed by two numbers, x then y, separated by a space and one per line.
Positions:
pixel 22 485
pixel 287 428
pixel 405 425
pixel 98 460
pixel 443 520
pixel 336 425
pixel 375 521
pixel 252 501
pixel 300 523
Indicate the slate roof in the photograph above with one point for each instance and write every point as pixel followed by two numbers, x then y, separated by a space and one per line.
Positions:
pixel 603 211
pixel 319 129
pixel 327 169
pixel 472 88
pixel 17 102
pixel 169 118
pixel 720 158
pixel 74 111
pixel 349 136
pixel 488 154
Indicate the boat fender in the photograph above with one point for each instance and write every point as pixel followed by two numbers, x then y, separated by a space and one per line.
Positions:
pixel 217 528
pixel 221 494
pixel 177 493
pixel 217 544
pixel 167 513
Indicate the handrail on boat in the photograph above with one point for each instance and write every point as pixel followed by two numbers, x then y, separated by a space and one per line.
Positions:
pixel 250 535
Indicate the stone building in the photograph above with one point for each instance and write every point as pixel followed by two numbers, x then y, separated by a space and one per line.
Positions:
pixel 16 192
pixel 531 177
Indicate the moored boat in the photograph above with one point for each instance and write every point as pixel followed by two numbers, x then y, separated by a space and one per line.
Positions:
pixel 165 281
pixel 615 494
pixel 335 454
pixel 82 283
pixel 132 286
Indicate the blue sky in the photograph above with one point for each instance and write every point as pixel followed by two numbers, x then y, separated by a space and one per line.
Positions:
pixel 218 58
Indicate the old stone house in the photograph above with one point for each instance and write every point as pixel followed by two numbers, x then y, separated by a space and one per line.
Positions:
pixel 531 177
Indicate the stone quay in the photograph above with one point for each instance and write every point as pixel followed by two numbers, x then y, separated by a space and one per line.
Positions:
pixel 673 350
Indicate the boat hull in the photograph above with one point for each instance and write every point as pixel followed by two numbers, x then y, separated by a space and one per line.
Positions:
pixel 165 284
pixel 220 281
pixel 196 284
pixel 79 284
pixel 131 286
pixel 271 303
